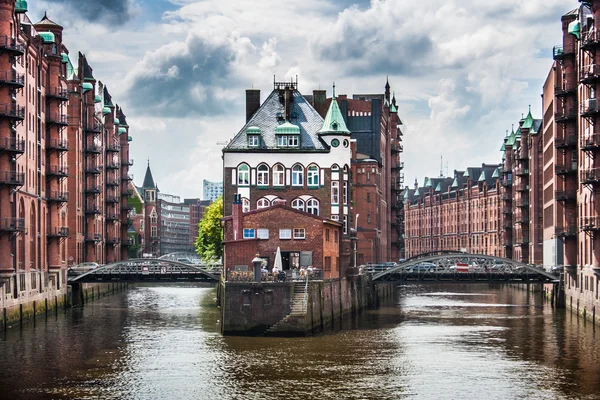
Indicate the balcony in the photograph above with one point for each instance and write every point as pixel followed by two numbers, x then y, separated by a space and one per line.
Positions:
pixel 92 190
pixel 59 171
pixel 560 53
pixel 12 145
pixel 12 79
pixel 61 232
pixel 113 217
pixel 11 46
pixel 398 167
pixel 569 231
pixel 569 140
pixel 113 240
pixel 568 86
pixel 57 144
pixel 590 176
pixel 112 199
pixel 93 127
pixel 113 147
pixel 507 210
pixel 58 197
pixel 523 203
pixel 127 177
pixel 523 241
pixel 127 162
pixel 397 147
pixel 522 187
pixel 565 195
pixel 590 224
pixel 12 178
pixel 507 196
pixel 94 149
pixel 589 108
pixel 57 119
pixel 58 93
pixel 590 142
pixel 12 111
pixel 522 154
pixel 92 210
pixel 126 208
pixel 522 171
pixel 522 219
pixel 507 182
pixel 568 169
pixel 590 39
pixel 589 73
pixel 127 193
pixel 565 114
pixel 12 224
pixel 112 165
pixel 112 182
pixel 96 237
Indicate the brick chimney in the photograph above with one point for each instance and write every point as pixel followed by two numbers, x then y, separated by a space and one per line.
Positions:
pixel 236 217
pixel 252 102
pixel 319 97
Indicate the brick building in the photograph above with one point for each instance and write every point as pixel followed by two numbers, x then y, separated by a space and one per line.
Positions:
pixel 197 209
pixel 64 157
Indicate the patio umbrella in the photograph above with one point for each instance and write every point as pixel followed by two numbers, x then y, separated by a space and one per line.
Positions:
pixel 278 263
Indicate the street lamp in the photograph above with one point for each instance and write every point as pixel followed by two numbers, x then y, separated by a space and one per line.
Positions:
pixel 257 263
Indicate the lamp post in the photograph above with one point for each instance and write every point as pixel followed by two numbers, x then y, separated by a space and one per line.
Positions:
pixel 257 263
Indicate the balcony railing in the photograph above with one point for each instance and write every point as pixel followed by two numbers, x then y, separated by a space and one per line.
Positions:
pixel 93 127
pixel 57 93
pixel 12 178
pixel 113 147
pixel 11 45
pixel 93 148
pixel 565 195
pixel 12 145
pixel 567 86
pixel 12 224
pixel 12 78
pixel 589 73
pixel 589 107
pixel 523 240
pixel 507 223
pixel 92 210
pixel 507 196
pixel 590 142
pixel 126 207
pixel 112 165
pixel 127 162
pixel 590 176
pixel 507 182
pixel 61 232
pixel 590 224
pixel 523 202
pixel 507 210
pixel 112 199
pixel 565 169
pixel 127 177
pixel 92 189
pixel 58 197
pixel 113 217
pixel 60 171
pixel 521 187
pixel 522 171
pixel 522 219
pixel 522 154
pixel 95 237
pixel 113 240
pixel 112 182
pixel 57 144
pixel 565 231
pixel 12 111
pixel 57 118
pixel 127 193
pixel 564 114
pixel 590 39
pixel 397 147
pixel 570 140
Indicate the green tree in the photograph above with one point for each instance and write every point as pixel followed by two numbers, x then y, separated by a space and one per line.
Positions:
pixel 209 244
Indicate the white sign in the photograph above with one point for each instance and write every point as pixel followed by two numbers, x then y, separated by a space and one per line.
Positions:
pixel 163 270
pixel 145 270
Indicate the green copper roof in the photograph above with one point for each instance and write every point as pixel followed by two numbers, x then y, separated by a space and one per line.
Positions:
pixel 406 194
pixel 466 174
pixel 65 58
pixel 511 139
pixel 122 130
pixel 70 69
pixel 482 176
pixel 518 133
pixel 129 139
pixel 455 183
pixel 287 128
pixel 47 37
pixel 575 28
pixel 417 192
pixel 496 173
pixel 21 7
pixel 117 121
pixel 86 86
pixel 334 121
pixel 427 182
pixel 106 110
pixel 528 122
pixel 97 99
pixel 438 188
pixel 253 130
pixel 503 147
pixel 393 108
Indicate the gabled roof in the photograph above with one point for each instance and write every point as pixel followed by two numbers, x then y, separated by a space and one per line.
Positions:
pixel 148 180
pixel 334 123
pixel 122 118
pixel 87 70
pixel 266 118
pixel 286 209
pixel 107 98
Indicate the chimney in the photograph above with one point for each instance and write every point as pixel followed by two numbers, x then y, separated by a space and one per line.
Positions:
pixel 252 102
pixel 319 97
pixel 236 216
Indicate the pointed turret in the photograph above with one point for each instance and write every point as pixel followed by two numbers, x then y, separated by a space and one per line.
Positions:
pixel 48 23
pixel 528 121
pixel 85 68
pixel 334 123
pixel 387 89
pixel 148 180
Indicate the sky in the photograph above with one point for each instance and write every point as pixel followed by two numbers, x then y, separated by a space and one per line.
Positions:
pixel 463 71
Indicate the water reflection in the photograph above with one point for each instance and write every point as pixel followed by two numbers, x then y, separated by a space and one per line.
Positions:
pixel 443 342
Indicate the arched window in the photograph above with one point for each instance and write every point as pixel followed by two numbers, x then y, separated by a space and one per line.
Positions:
pixel 312 206
pixel 243 175
pixel 263 203
pixel 245 205
pixel 312 177
pixel 278 175
pixel 335 167
pixel 262 176
pixel 297 175
pixel 298 204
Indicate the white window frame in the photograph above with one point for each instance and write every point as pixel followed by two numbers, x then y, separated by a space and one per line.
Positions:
pixel 299 233
pixel 262 175
pixel 335 217
pixel 335 192
pixel 312 205
pixel 345 193
pixel 243 175
pixel 298 204
pixel 312 175
pixel 253 141
pixel 282 141
pixel 293 141
pixel 249 233
pixel 263 202
pixel 345 224
pixel 278 175
pixel 245 205
pixel 262 233
pixel 285 233
pixel 298 175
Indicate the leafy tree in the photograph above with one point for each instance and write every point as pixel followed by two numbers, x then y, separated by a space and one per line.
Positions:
pixel 209 244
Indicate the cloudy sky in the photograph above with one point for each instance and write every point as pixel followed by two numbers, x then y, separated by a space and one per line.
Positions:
pixel 463 71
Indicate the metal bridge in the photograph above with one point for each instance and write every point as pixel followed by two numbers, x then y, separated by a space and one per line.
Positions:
pixel 482 269
pixel 150 270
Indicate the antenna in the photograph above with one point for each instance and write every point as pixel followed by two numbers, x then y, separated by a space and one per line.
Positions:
pixel 334 89
pixel 441 166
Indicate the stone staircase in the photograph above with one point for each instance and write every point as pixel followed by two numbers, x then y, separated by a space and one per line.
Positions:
pixel 298 308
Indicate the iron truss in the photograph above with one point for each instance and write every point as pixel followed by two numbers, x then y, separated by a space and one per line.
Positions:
pixel 482 269
pixel 147 270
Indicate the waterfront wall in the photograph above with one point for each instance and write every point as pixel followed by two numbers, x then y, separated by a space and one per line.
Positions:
pixel 265 308
pixel 582 295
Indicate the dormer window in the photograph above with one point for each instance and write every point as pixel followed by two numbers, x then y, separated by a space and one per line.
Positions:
pixel 253 141
pixel 282 141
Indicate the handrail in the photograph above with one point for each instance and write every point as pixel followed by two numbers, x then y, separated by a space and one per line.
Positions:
pixel 305 299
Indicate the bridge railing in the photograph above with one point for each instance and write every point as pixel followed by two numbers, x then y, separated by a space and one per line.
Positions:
pixel 248 276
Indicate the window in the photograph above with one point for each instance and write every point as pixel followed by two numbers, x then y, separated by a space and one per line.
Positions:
pixel 293 141
pixel 345 194
pixel 327 266
pixel 313 176
pixel 262 175
pixel 299 233
pixel 297 175
pixel 253 141
pixel 335 236
pixel 335 192
pixel 327 235
pixel 285 234
pixel 262 233
pixel 282 141
pixel 335 217
pixel 245 205
pixel 278 175
pixel 368 197
pixel 312 206
pixel 243 175
pixel 298 204
pixel 248 233
pixel 368 218
pixel 263 203
pixel 345 224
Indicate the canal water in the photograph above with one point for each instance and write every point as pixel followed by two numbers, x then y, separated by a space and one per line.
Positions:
pixel 431 342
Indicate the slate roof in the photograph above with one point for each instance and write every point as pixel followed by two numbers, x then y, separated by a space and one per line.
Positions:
pixel 307 118
pixel 107 98
pixel 47 21
pixel 87 70
pixel 148 180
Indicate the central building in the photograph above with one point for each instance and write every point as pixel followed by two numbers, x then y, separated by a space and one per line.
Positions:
pixel 287 155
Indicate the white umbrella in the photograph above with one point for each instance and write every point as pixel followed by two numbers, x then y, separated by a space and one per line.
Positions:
pixel 278 263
